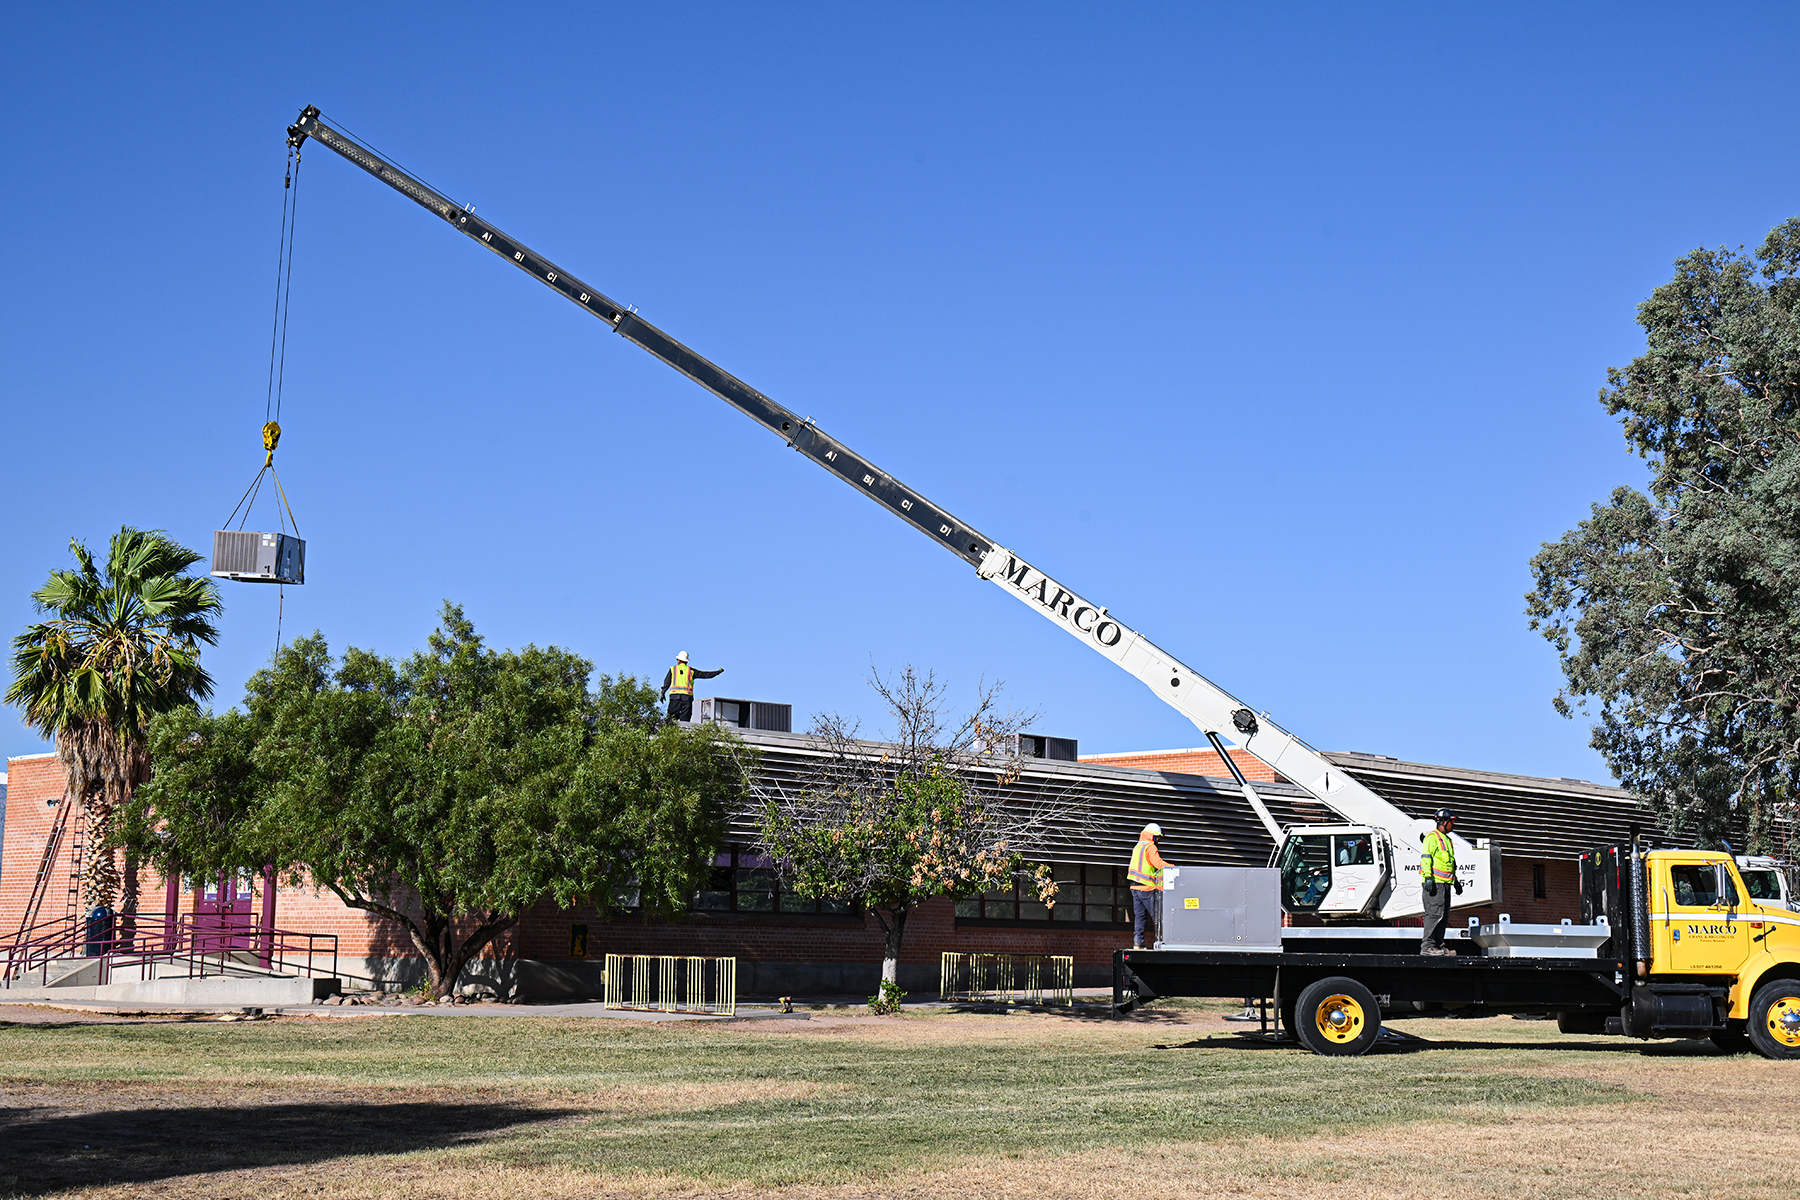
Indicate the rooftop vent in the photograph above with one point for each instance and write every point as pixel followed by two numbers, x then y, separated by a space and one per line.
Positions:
pixel 1032 745
pixel 748 714
pixel 258 557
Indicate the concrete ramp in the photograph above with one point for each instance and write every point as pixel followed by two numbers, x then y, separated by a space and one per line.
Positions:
pixel 258 991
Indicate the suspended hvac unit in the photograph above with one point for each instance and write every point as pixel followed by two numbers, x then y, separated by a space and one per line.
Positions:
pixel 748 714
pixel 258 557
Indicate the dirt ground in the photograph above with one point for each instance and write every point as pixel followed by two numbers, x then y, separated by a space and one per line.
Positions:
pixel 1681 1120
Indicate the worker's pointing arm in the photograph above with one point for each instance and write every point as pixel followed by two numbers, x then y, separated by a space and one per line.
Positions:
pixel 708 674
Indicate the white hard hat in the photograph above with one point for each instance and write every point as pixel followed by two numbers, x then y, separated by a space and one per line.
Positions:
pixel 682 657
pixel 1153 829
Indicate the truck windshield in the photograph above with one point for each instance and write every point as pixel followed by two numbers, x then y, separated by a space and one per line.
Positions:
pixel 1305 872
pixel 1761 883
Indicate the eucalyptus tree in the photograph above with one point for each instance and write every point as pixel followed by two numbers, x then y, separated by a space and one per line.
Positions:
pixel 119 644
pixel 1677 614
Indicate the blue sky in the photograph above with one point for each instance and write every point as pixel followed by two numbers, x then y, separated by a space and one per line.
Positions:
pixel 1276 329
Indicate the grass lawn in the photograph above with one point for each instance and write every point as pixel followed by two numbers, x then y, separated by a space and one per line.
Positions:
pixel 843 1105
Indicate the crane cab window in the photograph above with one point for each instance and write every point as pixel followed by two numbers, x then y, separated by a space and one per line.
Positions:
pixel 1761 883
pixel 1696 885
pixel 1305 867
pixel 1354 850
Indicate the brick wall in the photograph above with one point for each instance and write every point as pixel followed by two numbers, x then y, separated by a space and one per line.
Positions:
pixel 32 780
pixel 791 948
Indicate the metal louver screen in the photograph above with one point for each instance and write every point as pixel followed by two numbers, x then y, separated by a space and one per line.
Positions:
pixel 234 552
pixel 776 718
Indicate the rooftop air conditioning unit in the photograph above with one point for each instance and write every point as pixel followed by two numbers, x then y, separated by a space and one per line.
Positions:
pixel 748 714
pixel 1032 745
pixel 258 557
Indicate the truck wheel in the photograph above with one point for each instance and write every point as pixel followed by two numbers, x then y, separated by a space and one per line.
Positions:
pixel 1337 1016
pixel 1774 1025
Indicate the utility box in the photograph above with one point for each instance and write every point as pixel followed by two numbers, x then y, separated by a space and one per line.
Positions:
pixel 748 714
pixel 258 557
pixel 1221 908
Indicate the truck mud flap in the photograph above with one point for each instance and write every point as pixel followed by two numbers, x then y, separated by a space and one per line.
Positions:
pixel 1128 990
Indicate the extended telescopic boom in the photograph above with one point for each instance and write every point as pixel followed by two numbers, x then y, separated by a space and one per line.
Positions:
pixel 1215 711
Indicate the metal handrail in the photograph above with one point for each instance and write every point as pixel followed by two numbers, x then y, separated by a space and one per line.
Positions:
pixel 145 941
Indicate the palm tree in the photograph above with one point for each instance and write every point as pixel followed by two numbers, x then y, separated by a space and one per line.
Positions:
pixel 121 644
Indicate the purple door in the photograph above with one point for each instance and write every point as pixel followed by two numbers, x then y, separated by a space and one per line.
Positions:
pixel 223 913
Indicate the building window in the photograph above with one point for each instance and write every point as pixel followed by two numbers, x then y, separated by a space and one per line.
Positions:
pixel 1537 881
pixel 743 882
pixel 1085 895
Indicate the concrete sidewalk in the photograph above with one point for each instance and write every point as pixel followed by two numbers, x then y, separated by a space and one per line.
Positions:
pixel 589 1009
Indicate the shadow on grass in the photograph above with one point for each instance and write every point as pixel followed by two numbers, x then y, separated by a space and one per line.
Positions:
pixel 67 1021
pixel 48 1150
pixel 1413 1044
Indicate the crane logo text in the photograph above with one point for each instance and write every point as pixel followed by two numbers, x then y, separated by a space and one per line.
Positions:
pixel 1063 604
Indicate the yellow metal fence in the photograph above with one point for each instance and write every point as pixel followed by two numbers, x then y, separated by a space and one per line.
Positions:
pixel 1008 978
pixel 671 983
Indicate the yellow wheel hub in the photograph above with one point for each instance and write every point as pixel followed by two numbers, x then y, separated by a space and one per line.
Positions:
pixel 1784 1020
pixel 1340 1018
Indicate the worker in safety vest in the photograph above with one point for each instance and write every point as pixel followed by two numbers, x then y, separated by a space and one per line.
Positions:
pixel 678 687
pixel 1437 876
pixel 1145 874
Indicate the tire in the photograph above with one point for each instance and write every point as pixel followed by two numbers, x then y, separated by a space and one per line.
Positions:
pixel 1774 1024
pixel 1337 1016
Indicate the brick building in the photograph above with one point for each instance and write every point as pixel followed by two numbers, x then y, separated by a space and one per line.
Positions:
pixel 788 944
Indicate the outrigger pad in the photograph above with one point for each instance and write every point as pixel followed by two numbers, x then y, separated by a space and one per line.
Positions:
pixel 256 557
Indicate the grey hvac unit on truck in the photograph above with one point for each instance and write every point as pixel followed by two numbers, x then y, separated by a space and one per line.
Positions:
pixel 251 557
pixel 748 714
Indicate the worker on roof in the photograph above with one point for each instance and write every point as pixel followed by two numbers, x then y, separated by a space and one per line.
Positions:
pixel 678 687
pixel 1145 874
pixel 1437 875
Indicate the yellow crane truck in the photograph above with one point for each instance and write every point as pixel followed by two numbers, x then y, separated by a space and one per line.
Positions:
pixel 1670 945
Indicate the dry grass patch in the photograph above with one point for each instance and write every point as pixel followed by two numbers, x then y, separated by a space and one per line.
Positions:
pixel 849 1107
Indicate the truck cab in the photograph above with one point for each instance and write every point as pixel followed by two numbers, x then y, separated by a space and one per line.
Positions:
pixel 1709 959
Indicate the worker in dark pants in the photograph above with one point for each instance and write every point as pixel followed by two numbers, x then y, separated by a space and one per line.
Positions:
pixel 1437 876
pixel 1145 876
pixel 678 687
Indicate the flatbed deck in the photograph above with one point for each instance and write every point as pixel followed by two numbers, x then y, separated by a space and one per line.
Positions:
pixel 1400 982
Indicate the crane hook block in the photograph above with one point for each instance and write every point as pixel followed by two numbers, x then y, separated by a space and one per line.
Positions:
pixel 271 439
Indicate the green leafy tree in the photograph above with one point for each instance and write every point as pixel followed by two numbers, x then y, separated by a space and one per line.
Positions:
pixel 889 826
pixel 446 793
pixel 120 645
pixel 1677 613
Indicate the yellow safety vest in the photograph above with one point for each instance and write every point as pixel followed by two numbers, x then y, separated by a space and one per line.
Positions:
pixel 1141 872
pixel 1439 860
pixel 682 680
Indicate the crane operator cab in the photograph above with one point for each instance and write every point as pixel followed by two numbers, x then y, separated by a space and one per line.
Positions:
pixel 1338 869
